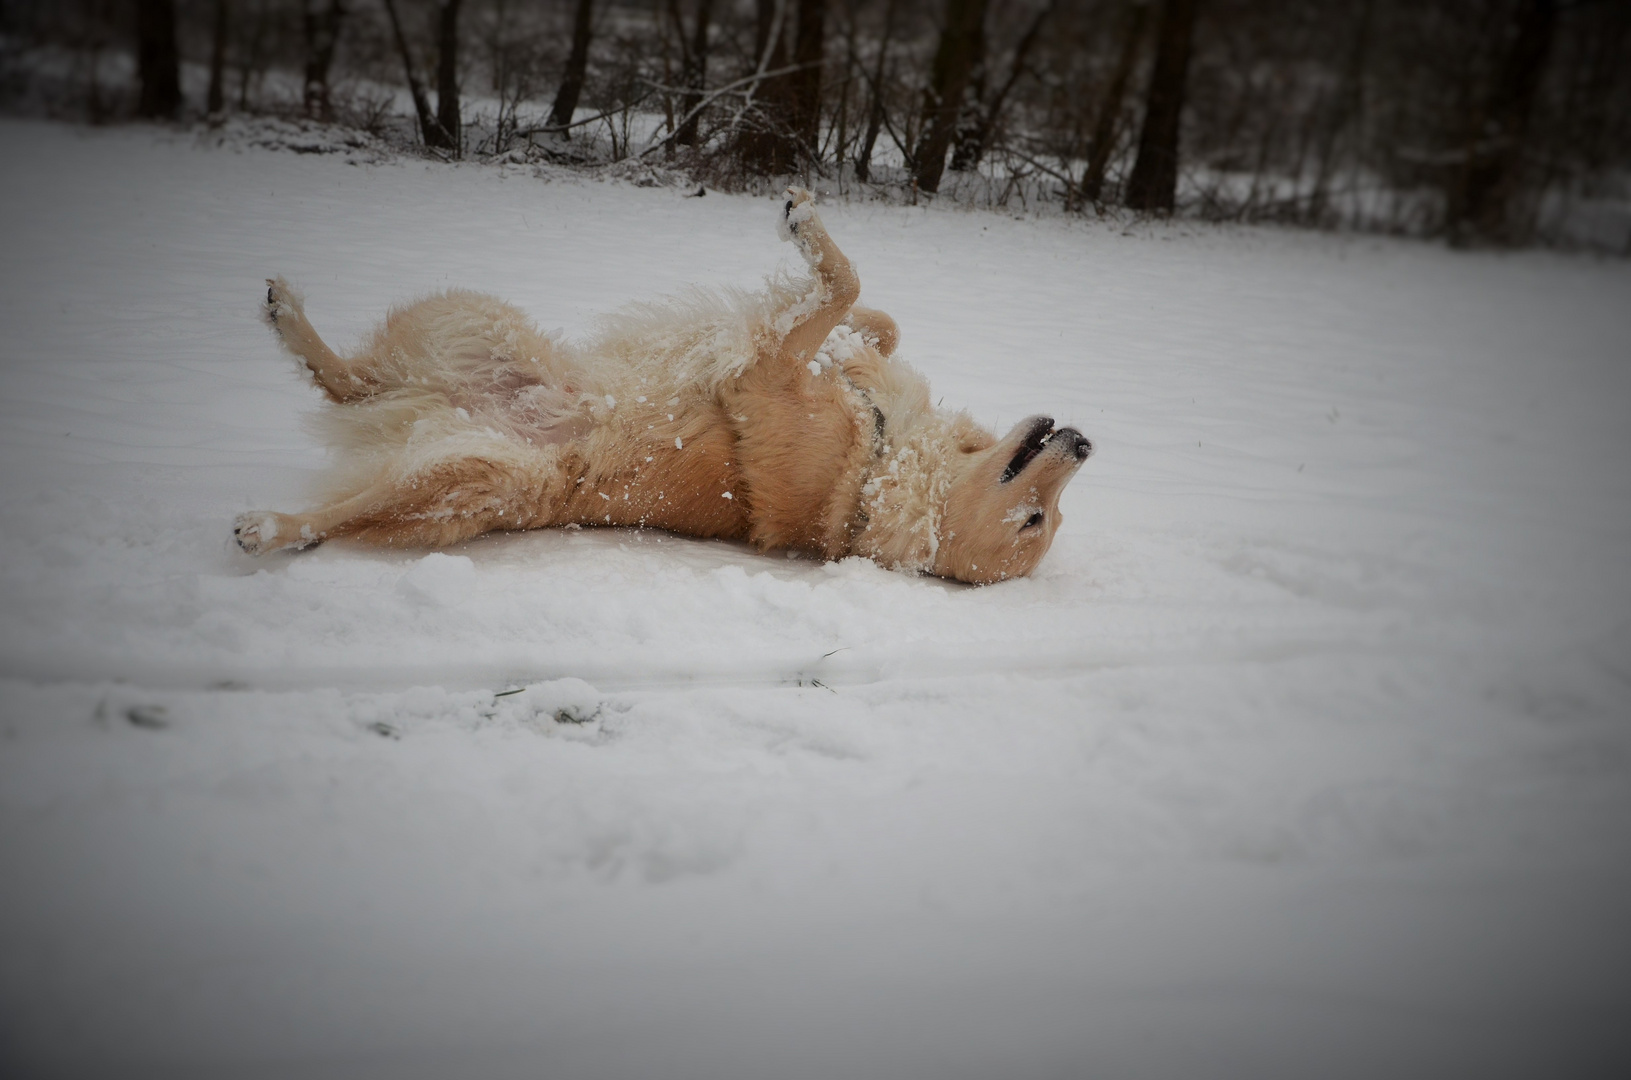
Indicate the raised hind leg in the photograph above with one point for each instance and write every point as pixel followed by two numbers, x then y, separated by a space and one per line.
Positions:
pixel 286 314
pixel 807 323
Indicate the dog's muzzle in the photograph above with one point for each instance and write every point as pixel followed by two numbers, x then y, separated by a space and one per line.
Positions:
pixel 1078 445
pixel 1041 438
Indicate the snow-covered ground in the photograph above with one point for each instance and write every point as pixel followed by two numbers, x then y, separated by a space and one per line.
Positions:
pixel 1307 752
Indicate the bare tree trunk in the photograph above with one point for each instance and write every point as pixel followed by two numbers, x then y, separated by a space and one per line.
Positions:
pixel 874 122
pixel 767 33
pixel 1594 103
pixel 766 149
pixel 157 61
pixel 322 35
pixel 1154 183
pixel 507 72
pixel 840 129
pixel 93 46
pixel 252 57
pixel 215 100
pixel 1482 204
pixel 694 69
pixel 1265 145
pixel 960 40
pixel 971 146
pixel 968 104
pixel 1104 125
pixel 1346 110
pixel 429 130
pixel 804 99
pixel 92 38
pixel 447 76
pixel 577 67
pixel 673 31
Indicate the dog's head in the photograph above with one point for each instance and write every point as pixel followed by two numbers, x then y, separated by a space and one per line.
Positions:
pixel 1002 508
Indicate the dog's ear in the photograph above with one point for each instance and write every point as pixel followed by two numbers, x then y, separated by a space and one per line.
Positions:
pixel 969 436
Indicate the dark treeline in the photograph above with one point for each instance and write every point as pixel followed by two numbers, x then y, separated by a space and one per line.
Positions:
pixel 1487 121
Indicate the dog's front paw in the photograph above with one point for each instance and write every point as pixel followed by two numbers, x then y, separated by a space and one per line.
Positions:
pixel 281 301
pixel 261 531
pixel 256 531
pixel 798 214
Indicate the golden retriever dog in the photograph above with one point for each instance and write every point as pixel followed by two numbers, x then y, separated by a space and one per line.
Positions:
pixel 781 418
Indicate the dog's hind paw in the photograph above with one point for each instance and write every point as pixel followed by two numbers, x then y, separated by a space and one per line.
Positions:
pixel 798 212
pixel 261 531
pixel 281 301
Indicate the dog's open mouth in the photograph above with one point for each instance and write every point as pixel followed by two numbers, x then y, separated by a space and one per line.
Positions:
pixel 1032 445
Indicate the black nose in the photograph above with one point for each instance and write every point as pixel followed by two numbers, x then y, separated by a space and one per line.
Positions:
pixel 1079 444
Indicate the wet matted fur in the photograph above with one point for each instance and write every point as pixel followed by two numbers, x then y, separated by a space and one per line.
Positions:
pixel 779 417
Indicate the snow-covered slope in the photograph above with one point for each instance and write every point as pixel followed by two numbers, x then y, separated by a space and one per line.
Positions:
pixel 1306 752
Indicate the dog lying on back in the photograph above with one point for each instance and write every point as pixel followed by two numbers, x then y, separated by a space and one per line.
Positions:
pixel 779 418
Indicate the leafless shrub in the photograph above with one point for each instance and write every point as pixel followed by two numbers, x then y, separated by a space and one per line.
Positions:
pixel 1486 121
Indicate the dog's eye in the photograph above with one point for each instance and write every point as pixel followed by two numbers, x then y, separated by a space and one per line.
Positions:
pixel 1033 521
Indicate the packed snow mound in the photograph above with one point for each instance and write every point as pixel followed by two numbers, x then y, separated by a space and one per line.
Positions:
pixel 440 580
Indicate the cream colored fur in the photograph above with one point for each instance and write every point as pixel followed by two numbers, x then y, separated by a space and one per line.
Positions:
pixel 780 417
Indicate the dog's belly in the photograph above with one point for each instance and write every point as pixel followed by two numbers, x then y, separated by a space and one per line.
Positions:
pixel 694 488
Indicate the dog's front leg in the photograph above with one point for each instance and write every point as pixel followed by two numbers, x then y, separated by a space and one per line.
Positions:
pixel 811 319
pixel 434 506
